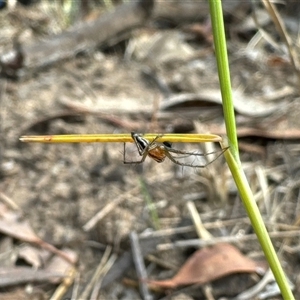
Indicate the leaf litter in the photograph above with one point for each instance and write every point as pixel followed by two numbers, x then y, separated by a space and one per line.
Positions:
pixel 59 191
pixel 209 264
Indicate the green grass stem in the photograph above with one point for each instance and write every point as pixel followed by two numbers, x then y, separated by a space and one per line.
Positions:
pixel 232 156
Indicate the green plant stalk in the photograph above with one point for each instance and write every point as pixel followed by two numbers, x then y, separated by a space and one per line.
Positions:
pixel 258 224
pixel 232 156
pixel 224 74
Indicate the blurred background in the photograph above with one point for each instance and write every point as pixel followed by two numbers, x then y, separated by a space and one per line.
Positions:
pixel 115 67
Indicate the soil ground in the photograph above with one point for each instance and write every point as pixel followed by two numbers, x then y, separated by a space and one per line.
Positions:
pixel 58 188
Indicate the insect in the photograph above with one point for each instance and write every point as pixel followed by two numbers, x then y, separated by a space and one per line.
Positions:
pixel 159 152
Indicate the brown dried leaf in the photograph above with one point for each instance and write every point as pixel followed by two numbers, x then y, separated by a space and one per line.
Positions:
pixel 209 264
pixel 8 252
pixel 19 230
pixel 59 264
pixel 283 123
pixel 31 255
pixel 247 106
pixel 22 230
